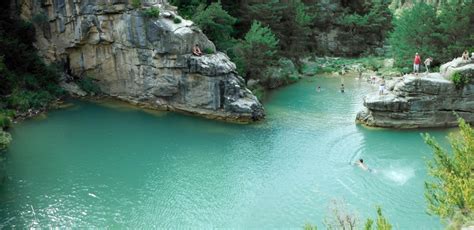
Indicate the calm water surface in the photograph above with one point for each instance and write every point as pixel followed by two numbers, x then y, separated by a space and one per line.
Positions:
pixel 94 165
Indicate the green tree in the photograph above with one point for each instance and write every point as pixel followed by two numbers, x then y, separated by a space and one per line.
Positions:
pixel 450 194
pixel 187 8
pixel 290 21
pixel 257 51
pixel 415 31
pixel 217 24
pixel 367 28
pixel 456 26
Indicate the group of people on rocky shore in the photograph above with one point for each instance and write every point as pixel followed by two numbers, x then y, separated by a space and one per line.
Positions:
pixel 417 62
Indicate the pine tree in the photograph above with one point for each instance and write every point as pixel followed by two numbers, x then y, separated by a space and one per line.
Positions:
pixel 257 51
pixel 450 194
pixel 456 23
pixel 217 24
pixel 415 31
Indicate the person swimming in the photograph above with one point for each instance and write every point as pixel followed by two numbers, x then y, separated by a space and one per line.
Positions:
pixel 361 165
pixel 318 89
pixel 342 88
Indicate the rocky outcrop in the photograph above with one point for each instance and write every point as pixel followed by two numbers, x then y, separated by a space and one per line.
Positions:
pixel 424 101
pixel 141 59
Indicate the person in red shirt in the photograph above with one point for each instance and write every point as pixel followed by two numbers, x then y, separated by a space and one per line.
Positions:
pixel 416 64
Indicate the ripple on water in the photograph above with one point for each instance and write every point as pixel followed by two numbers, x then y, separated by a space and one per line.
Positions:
pixel 112 168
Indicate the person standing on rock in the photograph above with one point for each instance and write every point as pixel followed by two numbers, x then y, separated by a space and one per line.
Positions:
pixel 382 86
pixel 416 64
pixel 428 63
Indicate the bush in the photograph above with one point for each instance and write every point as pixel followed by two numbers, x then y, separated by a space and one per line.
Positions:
pixel 450 193
pixel 177 20
pixel 152 12
pixel 259 92
pixel 136 3
pixel 40 18
pixel 87 84
pixel 208 50
pixel 5 121
pixel 24 100
pixel 459 80
pixel 5 139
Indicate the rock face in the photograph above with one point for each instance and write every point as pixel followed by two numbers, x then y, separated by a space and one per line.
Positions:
pixel 422 101
pixel 141 59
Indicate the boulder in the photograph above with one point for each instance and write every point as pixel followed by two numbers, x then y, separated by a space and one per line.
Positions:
pixel 424 101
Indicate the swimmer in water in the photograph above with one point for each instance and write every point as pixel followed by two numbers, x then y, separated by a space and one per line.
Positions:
pixel 342 88
pixel 318 89
pixel 361 165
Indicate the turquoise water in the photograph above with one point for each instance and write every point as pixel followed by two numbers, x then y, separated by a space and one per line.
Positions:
pixel 113 166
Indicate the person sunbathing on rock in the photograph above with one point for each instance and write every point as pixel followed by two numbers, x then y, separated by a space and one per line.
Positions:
pixel 197 50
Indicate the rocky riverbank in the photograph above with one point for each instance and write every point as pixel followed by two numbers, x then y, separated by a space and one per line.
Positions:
pixel 423 101
pixel 141 59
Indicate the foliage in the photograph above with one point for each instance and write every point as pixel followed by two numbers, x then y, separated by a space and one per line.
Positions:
pixel 216 23
pixel 26 82
pixel 259 91
pixel 152 12
pixel 412 35
pixel 381 221
pixel 343 218
pixel 290 22
pixel 136 4
pixel 177 20
pixel 87 84
pixel 369 26
pixel 455 28
pixel 24 100
pixel 188 8
pixel 254 63
pixel 459 80
pixel 450 194
pixel 5 139
pixel 208 50
pixel 40 18
pixel 5 121
pixel 310 227
pixel 442 36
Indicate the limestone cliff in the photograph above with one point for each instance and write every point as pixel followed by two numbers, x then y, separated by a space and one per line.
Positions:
pixel 140 59
pixel 424 101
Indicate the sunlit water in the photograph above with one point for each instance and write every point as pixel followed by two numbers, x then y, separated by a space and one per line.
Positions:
pixel 95 165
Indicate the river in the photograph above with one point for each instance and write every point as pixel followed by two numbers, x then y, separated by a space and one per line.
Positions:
pixel 110 165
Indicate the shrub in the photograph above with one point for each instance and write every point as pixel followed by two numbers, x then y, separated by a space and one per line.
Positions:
pixel 87 84
pixel 5 139
pixel 136 3
pixel 450 193
pixel 208 50
pixel 152 12
pixel 459 80
pixel 40 18
pixel 177 20
pixel 5 121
